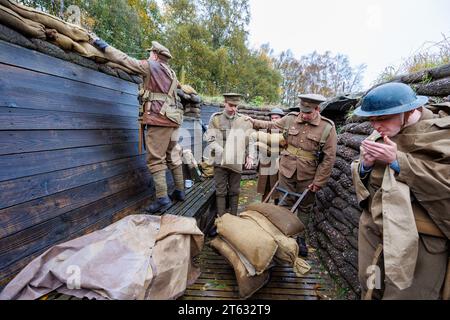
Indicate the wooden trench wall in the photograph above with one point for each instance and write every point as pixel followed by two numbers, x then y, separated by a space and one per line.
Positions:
pixel 69 159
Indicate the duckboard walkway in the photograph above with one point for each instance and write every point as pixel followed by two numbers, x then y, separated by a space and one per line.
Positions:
pixel 217 280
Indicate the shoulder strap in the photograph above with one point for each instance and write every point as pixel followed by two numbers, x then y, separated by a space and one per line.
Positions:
pixel 173 76
pixel 325 134
pixel 174 84
pixel 216 120
pixel 289 122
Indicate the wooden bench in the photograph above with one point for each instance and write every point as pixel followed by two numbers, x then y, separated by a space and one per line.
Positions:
pixel 199 204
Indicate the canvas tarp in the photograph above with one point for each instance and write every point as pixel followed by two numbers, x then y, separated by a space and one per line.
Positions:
pixel 137 258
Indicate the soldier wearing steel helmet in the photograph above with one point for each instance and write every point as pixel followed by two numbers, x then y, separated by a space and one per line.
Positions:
pixel 307 161
pixel 402 184
pixel 162 115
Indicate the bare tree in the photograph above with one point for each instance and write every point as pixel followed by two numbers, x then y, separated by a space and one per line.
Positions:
pixel 325 74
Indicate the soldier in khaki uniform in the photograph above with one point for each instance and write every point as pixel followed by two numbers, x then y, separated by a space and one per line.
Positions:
pixel 308 135
pixel 268 172
pixel 162 115
pixel 227 137
pixel 402 184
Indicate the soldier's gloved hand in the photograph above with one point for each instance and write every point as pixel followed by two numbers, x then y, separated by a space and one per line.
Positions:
pixel 98 42
pixel 101 44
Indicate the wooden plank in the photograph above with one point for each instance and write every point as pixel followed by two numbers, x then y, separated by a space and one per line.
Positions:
pixel 235 296
pixel 202 196
pixel 222 294
pixel 231 278
pixel 50 183
pixel 229 284
pixel 202 202
pixel 107 210
pixel 198 196
pixel 275 270
pixel 266 296
pixel 16 82
pixel 17 218
pixel 31 237
pixel 25 119
pixel 217 272
pixel 192 197
pixel 33 60
pixel 12 142
pixel 24 165
pixel 26 98
pixel 218 263
pixel 192 298
pixel 286 291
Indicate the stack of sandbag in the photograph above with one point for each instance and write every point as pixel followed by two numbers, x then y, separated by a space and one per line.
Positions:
pixel 190 100
pixel 46 30
pixel 255 241
pixel 433 82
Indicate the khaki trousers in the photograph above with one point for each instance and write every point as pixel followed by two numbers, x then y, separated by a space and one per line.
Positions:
pixel 228 183
pixel 162 148
pixel 430 269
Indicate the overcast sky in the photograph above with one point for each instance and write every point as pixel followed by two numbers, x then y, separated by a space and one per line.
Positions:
pixel 378 33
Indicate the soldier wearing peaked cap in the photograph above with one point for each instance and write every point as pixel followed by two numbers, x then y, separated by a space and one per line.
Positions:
pixel 227 137
pixel 307 161
pixel 162 113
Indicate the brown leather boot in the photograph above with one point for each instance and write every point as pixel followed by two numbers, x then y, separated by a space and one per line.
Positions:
pixel 234 205
pixel 221 205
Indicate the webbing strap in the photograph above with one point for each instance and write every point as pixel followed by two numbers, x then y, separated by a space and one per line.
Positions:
pixel 154 96
pixel 300 153
pixel 376 258
pixel 326 134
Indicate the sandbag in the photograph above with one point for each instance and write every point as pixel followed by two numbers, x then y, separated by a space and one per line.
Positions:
pixel 72 31
pixel 188 89
pixel 287 247
pixel 247 285
pixel 119 66
pixel 196 110
pixel 249 239
pixel 25 26
pixel 64 42
pixel 287 222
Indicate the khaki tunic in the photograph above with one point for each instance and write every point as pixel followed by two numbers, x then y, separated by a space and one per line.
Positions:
pixel 228 141
pixel 221 129
pixel 266 148
pixel 424 157
pixel 157 79
pixel 307 137
pixel 162 134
